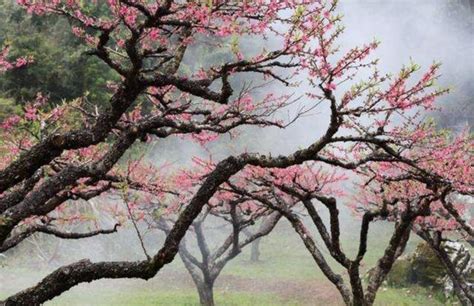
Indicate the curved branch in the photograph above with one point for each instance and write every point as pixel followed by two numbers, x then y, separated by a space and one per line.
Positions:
pixel 15 240
pixel 459 219
pixel 69 276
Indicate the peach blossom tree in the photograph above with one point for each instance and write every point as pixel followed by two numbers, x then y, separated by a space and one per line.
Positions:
pixel 53 157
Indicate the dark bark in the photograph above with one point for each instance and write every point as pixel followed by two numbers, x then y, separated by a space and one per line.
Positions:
pixel 356 285
pixel 51 192
pixel 318 257
pixel 330 240
pixel 455 214
pixel 395 248
pixel 44 152
pixel 84 271
pixel 42 200
pixel 19 193
pixel 15 240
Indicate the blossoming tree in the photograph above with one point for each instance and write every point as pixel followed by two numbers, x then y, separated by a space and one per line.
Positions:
pixel 227 213
pixel 74 151
pixel 434 200
pixel 230 213
pixel 421 199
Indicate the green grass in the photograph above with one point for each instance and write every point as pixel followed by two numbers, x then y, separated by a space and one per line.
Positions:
pixel 283 259
pixel 284 255
pixel 152 297
pixel 386 297
pixel 413 296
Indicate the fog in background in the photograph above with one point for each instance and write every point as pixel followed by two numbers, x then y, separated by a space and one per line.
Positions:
pixel 423 31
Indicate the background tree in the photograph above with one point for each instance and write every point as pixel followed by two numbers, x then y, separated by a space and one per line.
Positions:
pixel 414 201
pixel 204 272
pixel 229 213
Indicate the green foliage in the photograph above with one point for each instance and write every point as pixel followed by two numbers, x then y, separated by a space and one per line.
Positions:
pixel 61 69
pixel 421 271
pixel 8 108
pixel 400 274
pixel 411 296
pixel 422 268
pixel 426 267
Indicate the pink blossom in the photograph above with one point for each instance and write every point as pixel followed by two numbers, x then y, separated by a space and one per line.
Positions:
pixel 330 86
pixel 31 113
pixel 154 34
pixel 10 122
pixel 245 103
pixel 204 137
pixel 20 62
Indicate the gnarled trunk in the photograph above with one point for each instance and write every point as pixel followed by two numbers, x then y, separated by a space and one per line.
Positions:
pixel 206 293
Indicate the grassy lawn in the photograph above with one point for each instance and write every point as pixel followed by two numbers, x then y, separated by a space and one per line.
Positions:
pixel 407 297
pixel 151 297
pixel 390 297
pixel 286 275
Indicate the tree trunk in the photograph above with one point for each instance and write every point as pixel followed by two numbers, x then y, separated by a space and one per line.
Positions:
pixel 206 293
pixel 460 286
pixel 255 251
pixel 358 298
